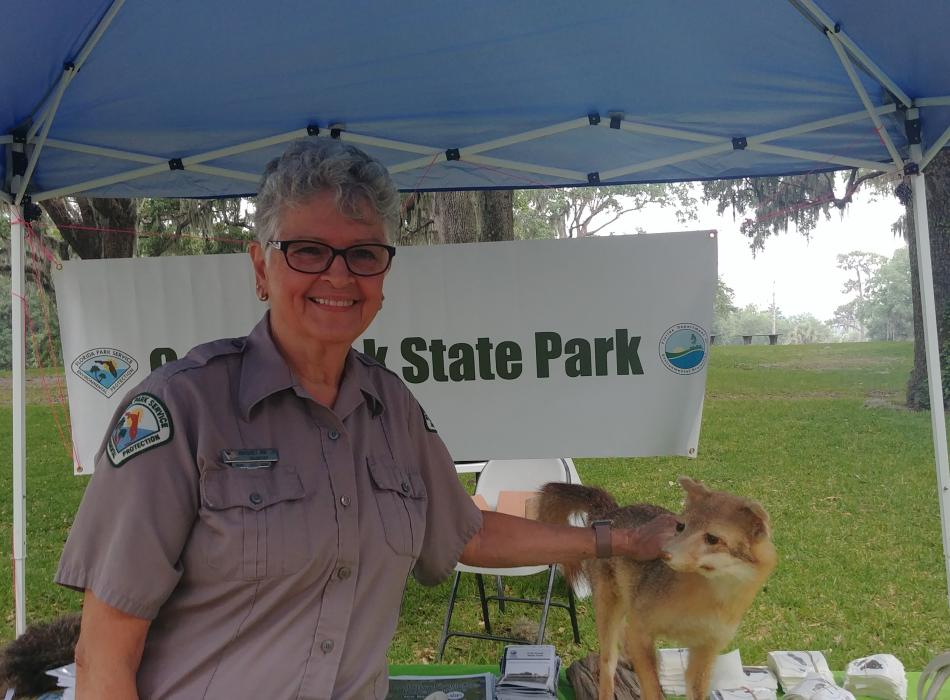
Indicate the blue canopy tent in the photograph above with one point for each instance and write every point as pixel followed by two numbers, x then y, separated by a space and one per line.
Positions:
pixel 129 98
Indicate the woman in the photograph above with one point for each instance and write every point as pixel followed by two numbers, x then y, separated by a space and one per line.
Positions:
pixel 258 505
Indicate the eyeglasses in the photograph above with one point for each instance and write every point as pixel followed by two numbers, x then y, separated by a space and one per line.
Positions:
pixel 313 257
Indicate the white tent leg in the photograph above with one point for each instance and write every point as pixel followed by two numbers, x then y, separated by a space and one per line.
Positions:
pixel 929 314
pixel 18 294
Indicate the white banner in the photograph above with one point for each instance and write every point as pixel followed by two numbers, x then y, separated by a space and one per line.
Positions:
pixel 560 348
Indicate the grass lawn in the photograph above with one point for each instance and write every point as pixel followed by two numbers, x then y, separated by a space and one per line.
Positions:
pixel 815 433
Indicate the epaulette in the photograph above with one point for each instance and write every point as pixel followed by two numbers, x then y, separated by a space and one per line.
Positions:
pixel 201 355
pixel 370 361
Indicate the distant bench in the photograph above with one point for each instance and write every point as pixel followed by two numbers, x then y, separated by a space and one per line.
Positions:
pixel 747 339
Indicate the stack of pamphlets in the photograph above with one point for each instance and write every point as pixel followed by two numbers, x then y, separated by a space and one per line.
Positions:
pixel 65 678
pixel 528 671
pixel 727 674
pixel 817 688
pixel 792 667
pixel 472 687
pixel 879 676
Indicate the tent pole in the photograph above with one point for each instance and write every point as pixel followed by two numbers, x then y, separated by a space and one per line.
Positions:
pixel 929 314
pixel 18 322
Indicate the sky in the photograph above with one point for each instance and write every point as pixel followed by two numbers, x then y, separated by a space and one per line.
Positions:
pixel 804 271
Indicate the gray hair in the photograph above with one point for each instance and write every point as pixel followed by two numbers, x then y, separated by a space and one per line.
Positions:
pixel 309 167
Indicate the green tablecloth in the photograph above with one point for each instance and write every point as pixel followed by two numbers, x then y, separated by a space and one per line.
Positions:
pixel 566 693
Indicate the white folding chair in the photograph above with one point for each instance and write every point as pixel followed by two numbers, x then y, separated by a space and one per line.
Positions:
pixel 512 475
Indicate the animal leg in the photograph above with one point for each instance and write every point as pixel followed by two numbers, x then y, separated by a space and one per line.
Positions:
pixel 609 615
pixel 641 651
pixel 698 671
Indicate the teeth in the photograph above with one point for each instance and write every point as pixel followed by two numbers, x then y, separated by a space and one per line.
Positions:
pixel 333 302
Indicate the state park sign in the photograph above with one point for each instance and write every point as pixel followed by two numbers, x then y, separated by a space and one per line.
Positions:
pixel 563 348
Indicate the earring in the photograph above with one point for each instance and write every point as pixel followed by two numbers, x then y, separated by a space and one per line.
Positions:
pixel 262 295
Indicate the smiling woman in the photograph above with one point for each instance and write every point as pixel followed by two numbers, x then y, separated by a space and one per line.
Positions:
pixel 260 503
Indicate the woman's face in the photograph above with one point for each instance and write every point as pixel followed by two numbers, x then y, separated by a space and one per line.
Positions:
pixel 331 307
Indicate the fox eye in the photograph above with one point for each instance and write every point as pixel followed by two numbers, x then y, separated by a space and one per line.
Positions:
pixel 680 527
pixel 711 539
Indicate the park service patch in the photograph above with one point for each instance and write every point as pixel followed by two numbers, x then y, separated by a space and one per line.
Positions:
pixel 144 424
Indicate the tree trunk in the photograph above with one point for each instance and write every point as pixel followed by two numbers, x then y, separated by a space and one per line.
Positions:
pixel 107 225
pixel 458 217
pixel 495 215
pixel 938 211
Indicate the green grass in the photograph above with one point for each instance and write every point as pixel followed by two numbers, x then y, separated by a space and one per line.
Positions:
pixel 813 432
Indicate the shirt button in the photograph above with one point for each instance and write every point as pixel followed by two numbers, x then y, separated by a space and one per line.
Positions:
pixel 405 487
pixel 343 573
pixel 256 498
pixel 345 501
pixel 333 435
pixel 327 646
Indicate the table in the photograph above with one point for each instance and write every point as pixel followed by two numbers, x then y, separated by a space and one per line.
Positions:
pixel 565 692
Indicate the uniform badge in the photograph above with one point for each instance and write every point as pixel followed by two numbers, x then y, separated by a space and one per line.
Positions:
pixel 430 426
pixel 144 424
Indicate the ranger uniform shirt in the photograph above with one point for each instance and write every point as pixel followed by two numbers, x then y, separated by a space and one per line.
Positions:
pixel 267 537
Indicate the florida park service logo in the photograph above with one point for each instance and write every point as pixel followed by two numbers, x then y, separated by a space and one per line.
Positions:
pixel 105 369
pixel 144 424
pixel 683 348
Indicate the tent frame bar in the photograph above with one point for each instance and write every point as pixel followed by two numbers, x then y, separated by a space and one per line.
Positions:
pixel 18 322
pixel 932 351
pixel 832 28
pixel 824 157
pixel 865 99
pixel 43 123
pixel 70 71
pixel 156 164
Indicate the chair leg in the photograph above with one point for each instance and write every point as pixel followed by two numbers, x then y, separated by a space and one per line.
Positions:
pixel 448 615
pixel 547 605
pixel 500 589
pixel 572 611
pixel 481 595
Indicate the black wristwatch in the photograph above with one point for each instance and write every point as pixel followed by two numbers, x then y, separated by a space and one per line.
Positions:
pixel 602 542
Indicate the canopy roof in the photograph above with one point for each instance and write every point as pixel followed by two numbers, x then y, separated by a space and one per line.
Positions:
pixel 186 99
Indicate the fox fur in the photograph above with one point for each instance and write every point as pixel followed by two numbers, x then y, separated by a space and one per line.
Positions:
pixel 43 646
pixel 694 595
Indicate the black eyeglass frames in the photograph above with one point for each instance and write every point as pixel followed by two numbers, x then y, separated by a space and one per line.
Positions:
pixel 313 257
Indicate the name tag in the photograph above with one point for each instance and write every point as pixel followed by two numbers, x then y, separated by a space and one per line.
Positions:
pixel 260 458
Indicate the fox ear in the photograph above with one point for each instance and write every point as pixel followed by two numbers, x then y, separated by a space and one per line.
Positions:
pixel 692 488
pixel 759 519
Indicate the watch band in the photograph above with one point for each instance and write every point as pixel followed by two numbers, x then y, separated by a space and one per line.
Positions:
pixel 602 542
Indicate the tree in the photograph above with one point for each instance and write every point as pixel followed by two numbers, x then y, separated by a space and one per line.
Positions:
pixel 723 306
pixel 95 228
pixel 456 217
pixel 585 211
pixel 800 201
pixel 888 311
pixel 804 329
pixel 863 266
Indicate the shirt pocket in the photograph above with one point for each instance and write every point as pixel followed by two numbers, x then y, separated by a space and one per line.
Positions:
pixel 255 522
pixel 401 498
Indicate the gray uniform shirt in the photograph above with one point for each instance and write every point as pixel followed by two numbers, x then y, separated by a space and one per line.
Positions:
pixel 280 581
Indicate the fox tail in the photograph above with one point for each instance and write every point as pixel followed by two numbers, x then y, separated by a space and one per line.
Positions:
pixel 573 504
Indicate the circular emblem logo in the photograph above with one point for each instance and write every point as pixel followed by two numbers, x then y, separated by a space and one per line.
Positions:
pixel 683 348
pixel 105 369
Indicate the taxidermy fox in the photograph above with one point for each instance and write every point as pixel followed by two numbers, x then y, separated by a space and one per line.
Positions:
pixel 694 596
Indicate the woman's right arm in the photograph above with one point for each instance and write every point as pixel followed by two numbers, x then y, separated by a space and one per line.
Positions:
pixel 109 651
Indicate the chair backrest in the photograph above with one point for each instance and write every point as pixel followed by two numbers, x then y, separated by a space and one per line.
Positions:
pixel 522 475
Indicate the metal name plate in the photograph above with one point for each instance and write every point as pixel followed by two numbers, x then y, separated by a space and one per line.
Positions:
pixel 259 458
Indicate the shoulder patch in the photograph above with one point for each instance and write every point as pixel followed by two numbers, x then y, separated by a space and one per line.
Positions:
pixel 426 421
pixel 144 424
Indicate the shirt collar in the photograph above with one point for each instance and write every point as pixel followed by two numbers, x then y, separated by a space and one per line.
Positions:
pixel 264 372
